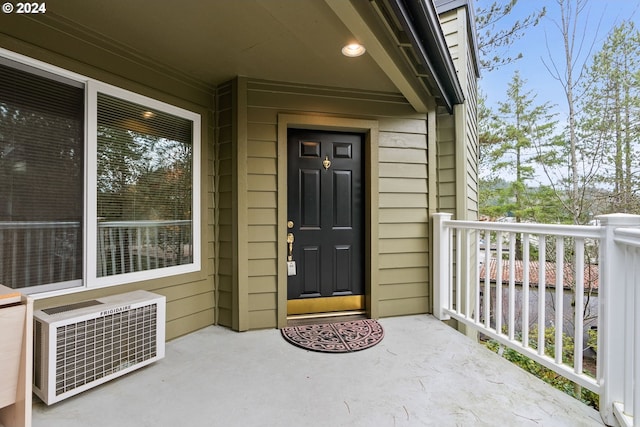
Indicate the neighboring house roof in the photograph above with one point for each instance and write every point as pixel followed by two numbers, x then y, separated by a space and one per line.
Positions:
pixel 591 274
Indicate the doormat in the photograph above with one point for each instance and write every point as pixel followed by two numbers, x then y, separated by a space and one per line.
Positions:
pixel 343 337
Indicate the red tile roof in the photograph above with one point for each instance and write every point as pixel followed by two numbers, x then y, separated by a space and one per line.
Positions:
pixel 568 280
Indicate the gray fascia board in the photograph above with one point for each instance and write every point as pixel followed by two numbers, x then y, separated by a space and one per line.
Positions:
pixel 421 23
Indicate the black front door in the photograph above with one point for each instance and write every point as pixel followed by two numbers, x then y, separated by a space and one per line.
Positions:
pixel 325 199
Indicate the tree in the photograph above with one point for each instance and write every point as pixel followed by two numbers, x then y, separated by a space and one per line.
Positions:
pixel 610 113
pixel 487 132
pixel 583 160
pixel 519 125
pixel 490 185
pixel 494 43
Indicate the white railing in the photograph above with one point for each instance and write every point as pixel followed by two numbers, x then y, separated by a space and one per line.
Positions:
pixel 620 323
pixel 468 289
pixel 42 252
pixel 129 246
pixel 38 252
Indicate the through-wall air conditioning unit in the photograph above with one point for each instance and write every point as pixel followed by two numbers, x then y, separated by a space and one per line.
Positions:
pixel 79 346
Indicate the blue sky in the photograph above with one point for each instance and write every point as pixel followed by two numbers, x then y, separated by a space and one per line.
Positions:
pixel 538 41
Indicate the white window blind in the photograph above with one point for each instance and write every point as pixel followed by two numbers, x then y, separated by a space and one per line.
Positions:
pixel 99 186
pixel 144 188
pixel 41 178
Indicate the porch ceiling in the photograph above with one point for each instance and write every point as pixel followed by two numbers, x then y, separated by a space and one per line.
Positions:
pixel 213 41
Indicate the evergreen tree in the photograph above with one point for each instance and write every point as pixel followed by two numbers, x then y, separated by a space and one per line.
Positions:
pixel 610 113
pixel 519 125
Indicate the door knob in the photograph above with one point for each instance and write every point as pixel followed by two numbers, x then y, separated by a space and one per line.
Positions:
pixel 290 239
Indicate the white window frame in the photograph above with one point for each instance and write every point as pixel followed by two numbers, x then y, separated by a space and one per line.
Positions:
pixel 92 89
pixel 90 279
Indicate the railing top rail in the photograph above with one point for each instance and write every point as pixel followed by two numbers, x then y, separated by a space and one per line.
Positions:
pixel 75 224
pixel 145 223
pixel 628 236
pixel 584 231
pixel 38 224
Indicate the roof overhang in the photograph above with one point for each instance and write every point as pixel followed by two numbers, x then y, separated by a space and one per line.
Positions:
pixel 420 22
pixel 295 41
pixel 405 39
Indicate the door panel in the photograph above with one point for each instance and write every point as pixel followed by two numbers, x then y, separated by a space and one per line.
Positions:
pixel 311 272
pixel 325 197
pixel 342 199
pixel 343 277
pixel 310 198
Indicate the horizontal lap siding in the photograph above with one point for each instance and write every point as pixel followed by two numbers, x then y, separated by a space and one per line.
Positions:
pixel 456 32
pixel 189 307
pixel 404 226
pixel 262 174
pixel 403 191
pixel 262 164
pixel 446 158
pixel 456 29
pixel 449 24
pixel 225 161
pixel 472 140
pixel 446 124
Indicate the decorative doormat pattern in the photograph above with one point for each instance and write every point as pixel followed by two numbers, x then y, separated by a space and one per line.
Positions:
pixel 342 337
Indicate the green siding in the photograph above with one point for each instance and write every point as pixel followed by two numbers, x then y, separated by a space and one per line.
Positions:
pixel 471 135
pixel 404 223
pixel 225 158
pixel 446 158
pixel 456 31
pixel 459 134
pixel 403 191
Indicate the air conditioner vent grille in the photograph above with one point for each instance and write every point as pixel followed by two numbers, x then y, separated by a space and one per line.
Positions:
pixel 70 307
pixel 89 350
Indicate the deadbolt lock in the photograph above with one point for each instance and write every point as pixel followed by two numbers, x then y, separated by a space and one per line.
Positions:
pixel 289 224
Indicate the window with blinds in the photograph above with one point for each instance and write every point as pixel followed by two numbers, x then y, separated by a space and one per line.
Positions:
pixel 144 188
pixel 41 179
pixel 97 194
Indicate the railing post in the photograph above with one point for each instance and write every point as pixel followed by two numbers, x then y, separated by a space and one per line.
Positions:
pixel 442 264
pixel 612 318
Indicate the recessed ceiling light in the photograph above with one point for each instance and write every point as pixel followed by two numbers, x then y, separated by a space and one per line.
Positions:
pixel 148 114
pixel 354 49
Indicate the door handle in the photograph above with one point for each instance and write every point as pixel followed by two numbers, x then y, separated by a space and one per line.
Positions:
pixel 290 239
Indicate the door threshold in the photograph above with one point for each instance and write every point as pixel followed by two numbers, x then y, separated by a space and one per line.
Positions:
pixel 325 315
pixel 318 318
pixel 337 304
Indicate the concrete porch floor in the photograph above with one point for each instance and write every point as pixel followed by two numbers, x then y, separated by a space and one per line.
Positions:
pixel 423 373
